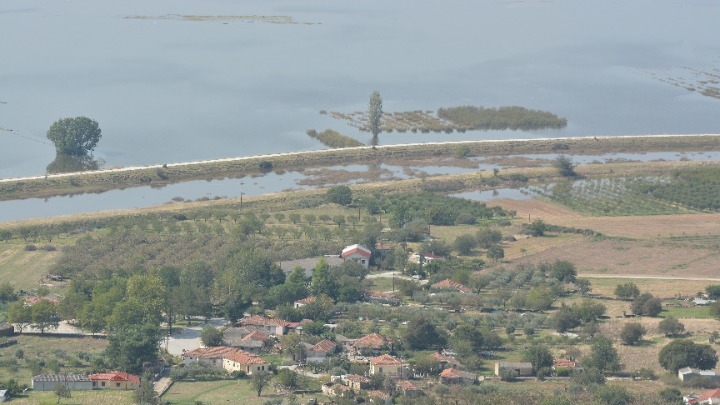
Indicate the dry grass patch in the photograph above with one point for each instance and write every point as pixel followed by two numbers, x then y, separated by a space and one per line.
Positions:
pixel 658 288
pixel 24 269
pixel 78 398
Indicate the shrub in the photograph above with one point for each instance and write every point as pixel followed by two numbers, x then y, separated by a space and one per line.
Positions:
pixel 30 248
pixel 632 333
pixel 507 374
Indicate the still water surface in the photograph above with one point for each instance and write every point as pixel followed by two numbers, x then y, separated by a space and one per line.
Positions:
pixel 170 90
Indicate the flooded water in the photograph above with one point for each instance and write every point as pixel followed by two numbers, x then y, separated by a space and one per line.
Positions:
pixel 146 196
pixel 168 89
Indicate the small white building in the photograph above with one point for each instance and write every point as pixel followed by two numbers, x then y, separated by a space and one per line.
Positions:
pixel 357 253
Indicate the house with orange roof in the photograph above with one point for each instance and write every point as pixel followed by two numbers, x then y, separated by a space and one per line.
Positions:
pixel 455 376
pixel 354 381
pixel 115 380
pixel 448 284
pixel 357 253
pixel 253 341
pixel 711 397
pixel 373 343
pixel 409 389
pixel 212 356
pixel 319 351
pixel 240 360
pixel 379 397
pixel 444 360
pixel 386 365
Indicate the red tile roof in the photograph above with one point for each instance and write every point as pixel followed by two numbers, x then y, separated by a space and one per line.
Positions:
pixel 564 363
pixel 356 378
pixel 441 358
pixel 447 283
pixel 378 394
pixel 705 395
pixel 306 300
pixel 258 336
pixel 406 386
pixel 362 250
pixel 243 357
pixel 115 376
pixel 455 373
pixel 324 346
pixel 385 360
pixel 372 341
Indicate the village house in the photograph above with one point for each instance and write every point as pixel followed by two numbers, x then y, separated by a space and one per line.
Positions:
pixel 276 327
pixel 522 369
pixel 455 376
pixel 565 364
pixel 386 365
pixel 688 374
pixel 318 352
pixel 373 343
pixel 211 356
pixel 253 341
pixel 248 363
pixel 445 361
pixel 115 380
pixel 356 382
pixel 409 389
pixel 301 303
pixel 335 390
pixel 357 253
pixel 448 284
pixel 74 382
pixel 426 257
pixel 711 397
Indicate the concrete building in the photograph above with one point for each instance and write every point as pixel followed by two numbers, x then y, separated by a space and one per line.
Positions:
pixel 48 382
pixel 523 369
pixel 357 253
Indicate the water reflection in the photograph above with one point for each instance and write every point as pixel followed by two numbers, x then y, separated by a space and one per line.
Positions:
pixel 72 163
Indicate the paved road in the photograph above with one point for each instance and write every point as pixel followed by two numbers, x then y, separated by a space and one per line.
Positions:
pixel 188 337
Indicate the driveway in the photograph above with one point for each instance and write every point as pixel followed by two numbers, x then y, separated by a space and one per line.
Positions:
pixel 188 337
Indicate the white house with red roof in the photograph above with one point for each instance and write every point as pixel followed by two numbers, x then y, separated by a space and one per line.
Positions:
pixel 115 380
pixel 711 397
pixel 240 360
pixel 212 356
pixel 276 327
pixel 320 350
pixel 386 365
pixel 357 253
pixel 301 303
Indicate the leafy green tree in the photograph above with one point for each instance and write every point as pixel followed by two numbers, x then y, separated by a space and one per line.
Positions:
pixel 627 291
pixel 145 393
pixel 487 238
pixel 131 346
pixel 7 292
pixel 671 327
pixel 260 380
pixel 495 253
pixel 603 356
pixel 74 136
pixel 713 291
pixel 323 281
pixel 375 113
pixel 293 346
pixel 62 391
pixel 211 336
pixel 646 304
pixel 564 166
pixel 537 227
pixel 563 271
pixel 671 396
pixel 539 356
pixel 631 333
pixel 44 315
pixel 422 334
pixel 341 195
pixel 564 319
pixel 5 235
pixel 464 244
pixel 612 395
pixel 287 378
pixel 588 310
pixel 508 374
pixel 19 314
pixel 686 353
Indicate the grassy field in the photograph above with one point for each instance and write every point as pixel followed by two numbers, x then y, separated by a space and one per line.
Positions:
pixel 220 392
pixel 78 398
pixel 662 289
pixel 25 268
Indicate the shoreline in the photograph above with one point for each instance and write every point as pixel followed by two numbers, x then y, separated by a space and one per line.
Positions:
pixel 162 174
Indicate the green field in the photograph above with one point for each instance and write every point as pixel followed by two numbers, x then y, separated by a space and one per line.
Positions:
pixel 220 392
pixel 687 312
pixel 24 268
pixel 78 398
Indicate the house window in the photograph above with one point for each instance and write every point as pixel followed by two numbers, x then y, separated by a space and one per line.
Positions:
pixel 117 384
pixel 102 383
pixel 380 370
pixel 362 261
pixel 94 383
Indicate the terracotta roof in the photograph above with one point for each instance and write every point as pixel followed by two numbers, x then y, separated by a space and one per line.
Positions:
pixel 455 373
pixel 324 346
pixel 705 395
pixel 259 336
pixel 378 394
pixel 564 363
pixel 385 360
pixel 209 352
pixel 372 341
pixel 447 283
pixel 362 250
pixel 441 358
pixel 243 357
pixel 115 376
pixel 306 300
pixel 406 385
pixel 258 320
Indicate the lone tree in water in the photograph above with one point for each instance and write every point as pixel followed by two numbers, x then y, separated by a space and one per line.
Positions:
pixel 74 136
pixel 375 115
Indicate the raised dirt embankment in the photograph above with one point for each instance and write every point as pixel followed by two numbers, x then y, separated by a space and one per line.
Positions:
pixel 103 180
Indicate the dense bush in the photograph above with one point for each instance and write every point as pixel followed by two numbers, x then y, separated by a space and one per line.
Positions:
pixel 515 118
